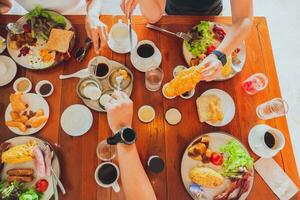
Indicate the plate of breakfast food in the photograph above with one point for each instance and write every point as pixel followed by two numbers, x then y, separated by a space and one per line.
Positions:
pixel 26 165
pixel 46 39
pixel 216 166
pixel 106 76
pixel 26 114
pixel 215 107
pixel 205 38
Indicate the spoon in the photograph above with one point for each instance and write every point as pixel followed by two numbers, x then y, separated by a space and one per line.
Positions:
pixel 119 80
pixel 80 74
pixel 15 28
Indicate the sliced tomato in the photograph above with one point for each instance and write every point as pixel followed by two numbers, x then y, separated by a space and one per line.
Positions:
pixel 41 185
pixel 216 158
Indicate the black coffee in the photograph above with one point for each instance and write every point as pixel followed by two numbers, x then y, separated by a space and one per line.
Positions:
pixel 269 140
pixel 145 50
pixel 107 174
pixel 101 70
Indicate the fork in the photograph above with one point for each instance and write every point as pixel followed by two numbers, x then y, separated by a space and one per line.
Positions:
pixel 181 35
pixel 43 148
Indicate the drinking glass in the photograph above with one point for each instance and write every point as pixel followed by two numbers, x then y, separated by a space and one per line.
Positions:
pixel 274 108
pixel 255 83
pixel 153 78
pixel 106 152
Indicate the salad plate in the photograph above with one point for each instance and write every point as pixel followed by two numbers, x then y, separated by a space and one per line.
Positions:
pixel 32 188
pixel 30 48
pixel 213 164
pixel 206 36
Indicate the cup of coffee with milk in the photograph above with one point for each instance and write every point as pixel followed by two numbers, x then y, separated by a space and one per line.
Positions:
pixel 119 34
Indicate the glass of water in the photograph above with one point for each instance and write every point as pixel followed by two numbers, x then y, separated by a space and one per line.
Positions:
pixel 106 152
pixel 274 108
pixel 153 78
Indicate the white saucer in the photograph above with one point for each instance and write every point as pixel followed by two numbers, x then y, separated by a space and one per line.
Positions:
pixel 34 102
pixel 227 106
pixel 76 120
pixel 7 72
pixel 122 49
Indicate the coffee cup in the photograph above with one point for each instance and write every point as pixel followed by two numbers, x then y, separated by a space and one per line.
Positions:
pixel 3 69
pixel 145 55
pixel 99 67
pixel 107 175
pixel 119 33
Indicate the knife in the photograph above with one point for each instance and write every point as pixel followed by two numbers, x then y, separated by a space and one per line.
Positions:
pixel 130 30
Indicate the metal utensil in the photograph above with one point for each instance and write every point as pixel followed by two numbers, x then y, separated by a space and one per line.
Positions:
pixel 181 35
pixel 14 28
pixel 54 188
pixel 130 30
pixel 79 74
pixel 59 183
pixel 81 52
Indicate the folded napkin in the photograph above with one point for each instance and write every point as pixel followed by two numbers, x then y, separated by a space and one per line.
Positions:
pixel 276 178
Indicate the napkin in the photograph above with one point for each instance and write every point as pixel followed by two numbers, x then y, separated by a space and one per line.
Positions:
pixel 276 178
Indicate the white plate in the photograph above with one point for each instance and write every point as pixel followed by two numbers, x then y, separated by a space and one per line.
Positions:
pixel 55 165
pixel 217 139
pixel 76 120
pixel 122 49
pixel 227 106
pixel 34 102
pixel 9 70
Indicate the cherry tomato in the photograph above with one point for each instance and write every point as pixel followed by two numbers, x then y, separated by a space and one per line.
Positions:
pixel 41 185
pixel 216 158
pixel 210 49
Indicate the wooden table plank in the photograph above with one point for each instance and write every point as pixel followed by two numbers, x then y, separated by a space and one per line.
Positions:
pixel 77 155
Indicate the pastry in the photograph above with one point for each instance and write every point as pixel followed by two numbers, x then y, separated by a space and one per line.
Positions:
pixel 209 108
pixel 206 177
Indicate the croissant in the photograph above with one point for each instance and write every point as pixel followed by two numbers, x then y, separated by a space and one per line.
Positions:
pixel 185 81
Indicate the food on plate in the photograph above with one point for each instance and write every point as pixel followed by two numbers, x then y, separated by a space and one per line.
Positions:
pixel 227 68
pixel 125 81
pixel 20 153
pixel 22 119
pixel 237 187
pixel 3 147
pixel 41 185
pixel 216 158
pixel 30 194
pixel 2 43
pixel 46 55
pixel 20 172
pixel 235 58
pixel 199 150
pixel 237 161
pixel 39 162
pixel 20 40
pixel 22 179
pixel 59 40
pixel 209 108
pixel 185 81
pixel 206 177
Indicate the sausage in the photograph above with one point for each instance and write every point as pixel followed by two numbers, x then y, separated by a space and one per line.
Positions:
pixel 20 172
pixel 23 179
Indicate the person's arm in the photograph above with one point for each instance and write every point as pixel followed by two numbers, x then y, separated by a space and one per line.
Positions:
pixel 242 18
pixel 152 10
pixel 5 6
pixel 95 29
pixel 135 182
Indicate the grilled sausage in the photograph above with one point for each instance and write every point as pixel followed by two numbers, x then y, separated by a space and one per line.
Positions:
pixel 23 179
pixel 20 172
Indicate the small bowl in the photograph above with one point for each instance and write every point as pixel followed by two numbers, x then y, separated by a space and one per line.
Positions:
pixel 39 85
pixel 178 69
pixel 83 83
pixel 108 92
pixel 18 81
pixel 94 63
pixel 125 83
pixel 163 89
pixel 140 110
pixel 190 94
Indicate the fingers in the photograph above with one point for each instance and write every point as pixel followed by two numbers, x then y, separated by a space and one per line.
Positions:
pixel 103 36
pixel 96 39
pixel 122 5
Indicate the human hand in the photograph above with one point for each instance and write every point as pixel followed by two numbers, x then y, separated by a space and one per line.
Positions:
pixel 128 6
pixel 119 111
pixel 95 29
pixel 5 6
pixel 212 67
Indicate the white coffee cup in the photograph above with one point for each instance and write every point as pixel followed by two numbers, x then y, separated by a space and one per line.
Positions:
pixel 119 33
pixel 114 184
pixel 3 68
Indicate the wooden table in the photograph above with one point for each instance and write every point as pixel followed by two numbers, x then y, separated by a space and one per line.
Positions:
pixel 77 155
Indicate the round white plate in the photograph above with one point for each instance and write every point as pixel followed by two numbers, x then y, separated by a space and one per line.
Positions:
pixel 255 138
pixel 9 70
pixel 34 102
pixel 227 106
pixel 55 166
pixel 76 120
pixel 122 49
pixel 217 139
